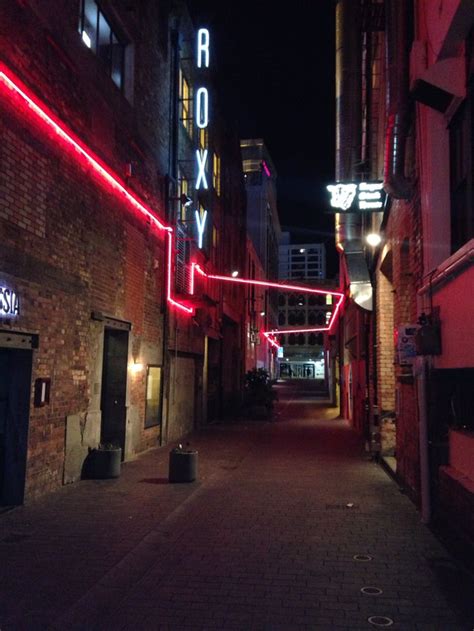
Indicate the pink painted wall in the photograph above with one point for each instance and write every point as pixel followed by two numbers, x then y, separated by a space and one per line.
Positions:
pixel 456 302
pixel 461 451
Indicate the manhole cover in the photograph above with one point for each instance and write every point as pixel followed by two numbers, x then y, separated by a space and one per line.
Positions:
pixel 14 538
pixel 380 621
pixel 362 557
pixel 371 591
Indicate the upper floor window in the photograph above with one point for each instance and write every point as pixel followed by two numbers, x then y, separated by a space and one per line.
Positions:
pixel 185 101
pixel 98 35
pixel 461 136
pixel 202 138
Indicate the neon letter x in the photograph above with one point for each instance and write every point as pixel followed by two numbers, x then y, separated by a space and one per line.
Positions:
pixel 201 156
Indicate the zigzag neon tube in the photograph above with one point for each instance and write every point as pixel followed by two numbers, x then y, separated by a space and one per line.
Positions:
pixel 15 88
pixel 284 287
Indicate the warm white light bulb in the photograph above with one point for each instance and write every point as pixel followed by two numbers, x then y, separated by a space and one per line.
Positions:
pixel 235 273
pixel 373 239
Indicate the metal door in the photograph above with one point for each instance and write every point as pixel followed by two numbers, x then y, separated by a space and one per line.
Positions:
pixel 114 388
pixel 15 386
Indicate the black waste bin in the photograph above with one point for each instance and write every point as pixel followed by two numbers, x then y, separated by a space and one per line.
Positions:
pixel 183 465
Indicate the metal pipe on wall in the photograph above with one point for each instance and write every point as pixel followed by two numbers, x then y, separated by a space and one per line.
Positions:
pixel 348 112
pixel 396 184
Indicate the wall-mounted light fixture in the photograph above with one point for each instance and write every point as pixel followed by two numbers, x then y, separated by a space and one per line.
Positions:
pixel 136 367
pixel 183 199
pixel 373 239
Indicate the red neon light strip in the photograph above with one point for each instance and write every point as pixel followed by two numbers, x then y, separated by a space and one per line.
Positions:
pixel 197 268
pixel 286 331
pixel 191 280
pixel 272 341
pixel 265 283
pixel 14 87
pixel 66 136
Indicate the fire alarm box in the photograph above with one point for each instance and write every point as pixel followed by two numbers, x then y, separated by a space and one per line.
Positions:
pixel 405 344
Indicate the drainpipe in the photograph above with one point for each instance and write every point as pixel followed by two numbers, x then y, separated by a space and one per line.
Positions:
pixel 420 373
pixel 397 72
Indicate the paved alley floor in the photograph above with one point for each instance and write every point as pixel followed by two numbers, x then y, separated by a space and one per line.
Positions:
pixel 288 522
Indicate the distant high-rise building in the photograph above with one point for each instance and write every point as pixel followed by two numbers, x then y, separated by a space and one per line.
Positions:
pixel 301 260
pixel 263 236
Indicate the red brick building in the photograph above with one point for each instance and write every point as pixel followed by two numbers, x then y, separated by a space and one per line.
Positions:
pixel 404 116
pixel 100 339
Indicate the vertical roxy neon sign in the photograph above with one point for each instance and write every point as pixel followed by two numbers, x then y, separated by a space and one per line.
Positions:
pixel 202 121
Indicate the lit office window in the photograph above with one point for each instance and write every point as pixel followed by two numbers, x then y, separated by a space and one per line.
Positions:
pixel 216 173
pixel 98 35
pixel 185 101
pixel 202 138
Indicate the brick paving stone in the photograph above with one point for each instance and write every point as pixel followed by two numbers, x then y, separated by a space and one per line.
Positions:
pixel 263 540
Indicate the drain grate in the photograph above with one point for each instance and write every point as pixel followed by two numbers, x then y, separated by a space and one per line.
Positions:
pixel 380 621
pixel 340 506
pixel 362 557
pixel 371 591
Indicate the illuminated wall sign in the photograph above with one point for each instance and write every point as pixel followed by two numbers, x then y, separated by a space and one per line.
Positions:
pixel 202 121
pixel 9 303
pixel 353 197
pixel 201 224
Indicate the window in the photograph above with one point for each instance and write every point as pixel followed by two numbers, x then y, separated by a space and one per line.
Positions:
pixel 97 34
pixel 185 101
pixel 153 393
pixel 461 136
pixel 461 178
pixel 281 319
pixel 216 173
pixel 202 138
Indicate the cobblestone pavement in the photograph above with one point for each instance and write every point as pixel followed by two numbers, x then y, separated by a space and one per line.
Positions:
pixel 265 539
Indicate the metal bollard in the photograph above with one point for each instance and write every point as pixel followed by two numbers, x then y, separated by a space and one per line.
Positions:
pixel 182 465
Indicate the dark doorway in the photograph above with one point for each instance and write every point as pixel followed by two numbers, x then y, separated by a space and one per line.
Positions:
pixel 114 388
pixel 15 386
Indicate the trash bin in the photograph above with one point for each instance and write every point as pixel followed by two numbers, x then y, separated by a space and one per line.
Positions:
pixel 182 465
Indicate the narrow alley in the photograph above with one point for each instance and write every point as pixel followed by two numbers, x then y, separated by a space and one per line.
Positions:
pixel 287 523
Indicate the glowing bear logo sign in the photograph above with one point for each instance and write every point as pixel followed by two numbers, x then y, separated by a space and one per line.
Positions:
pixel 342 195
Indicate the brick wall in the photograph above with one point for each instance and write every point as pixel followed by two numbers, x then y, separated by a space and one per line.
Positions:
pixel 69 245
pixel 398 298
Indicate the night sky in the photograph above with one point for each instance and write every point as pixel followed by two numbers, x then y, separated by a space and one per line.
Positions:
pixel 275 66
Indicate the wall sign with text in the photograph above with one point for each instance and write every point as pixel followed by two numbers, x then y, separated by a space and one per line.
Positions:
pixel 9 303
pixel 353 197
pixel 202 121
